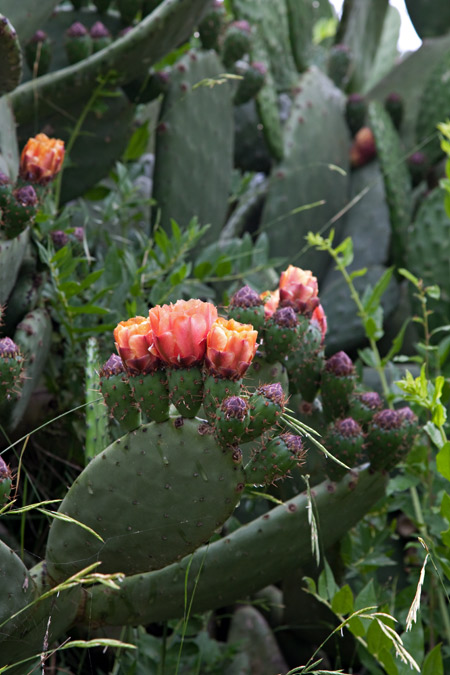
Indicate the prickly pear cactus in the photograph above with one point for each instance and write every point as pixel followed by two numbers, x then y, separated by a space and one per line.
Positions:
pixel 10 56
pixel 194 153
pixel 315 143
pixel 173 486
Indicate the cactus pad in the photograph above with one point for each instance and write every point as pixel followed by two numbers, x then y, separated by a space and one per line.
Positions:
pixel 154 496
pixel 316 140
pixel 396 176
pixel 194 153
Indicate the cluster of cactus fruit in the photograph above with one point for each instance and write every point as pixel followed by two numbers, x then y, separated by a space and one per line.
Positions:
pixel 197 415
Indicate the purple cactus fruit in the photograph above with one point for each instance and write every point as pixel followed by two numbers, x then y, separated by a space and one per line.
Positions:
pixel 348 428
pixel 387 419
pixel 59 238
pixel 234 407
pixel 246 297
pixel 113 366
pixel 340 364
pixel 26 196
pixel 76 30
pixel 8 348
pixel 285 317
pixel 273 392
pixel 99 30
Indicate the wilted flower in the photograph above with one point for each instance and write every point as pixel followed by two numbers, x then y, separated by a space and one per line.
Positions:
pixel 41 159
pixel 299 289
pixel 180 330
pixel 230 349
pixel 320 320
pixel 271 301
pixel 133 339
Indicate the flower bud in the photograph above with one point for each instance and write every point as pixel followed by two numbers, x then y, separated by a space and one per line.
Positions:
pixel 41 159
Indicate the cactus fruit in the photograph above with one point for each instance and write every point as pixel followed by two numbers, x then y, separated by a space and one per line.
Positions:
pixel 364 405
pixel 118 394
pixel 363 148
pixel 253 76
pixel 389 437
pixel 275 459
pixel 78 43
pixel 340 65
pixel 210 26
pixel 5 481
pixel 246 306
pixel 355 112
pixel 101 37
pixel 395 108
pixel 38 53
pixel 236 42
pixel 11 370
pixel 346 438
pixel 337 385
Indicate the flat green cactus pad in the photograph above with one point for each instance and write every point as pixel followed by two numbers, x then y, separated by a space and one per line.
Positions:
pixel 428 248
pixel 434 108
pixel 429 17
pixel 194 151
pixel 269 19
pixel 11 255
pixel 153 495
pixel 17 589
pixel 9 155
pixel 314 169
pixel 33 336
pixel 27 16
pixel 397 181
pixel 10 57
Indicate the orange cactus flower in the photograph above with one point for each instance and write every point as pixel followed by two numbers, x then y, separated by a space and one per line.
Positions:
pixel 320 320
pixel 180 330
pixel 299 289
pixel 230 348
pixel 133 339
pixel 41 159
pixel 271 302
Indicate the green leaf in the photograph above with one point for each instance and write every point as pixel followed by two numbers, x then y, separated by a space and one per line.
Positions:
pixel 358 273
pixel 356 627
pixel 408 275
pixel 388 661
pixel 327 586
pixel 88 309
pixel 433 664
pixel 345 252
pixel 434 434
pixel 137 144
pixel 202 269
pixel 443 461
pixel 368 357
pixel 223 266
pixel 90 279
pixel 97 193
pixel 397 343
pixel 433 292
pixel 377 640
pixel 342 602
pixel 372 302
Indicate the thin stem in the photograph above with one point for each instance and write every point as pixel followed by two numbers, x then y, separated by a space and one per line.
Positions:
pixel 363 314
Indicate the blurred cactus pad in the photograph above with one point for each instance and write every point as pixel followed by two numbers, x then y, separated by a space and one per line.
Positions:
pixel 184 419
